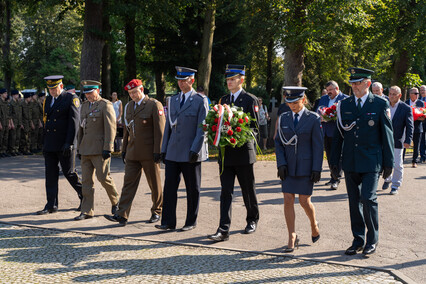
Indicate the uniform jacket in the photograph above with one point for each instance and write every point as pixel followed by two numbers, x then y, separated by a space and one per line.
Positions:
pixel 16 112
pixel 26 115
pixel 329 126
pixel 307 155
pixel 97 128
pixel 186 135
pixel 35 113
pixel 4 112
pixel 246 154
pixel 144 129
pixel 369 144
pixel 62 122
pixel 418 126
pixel 402 122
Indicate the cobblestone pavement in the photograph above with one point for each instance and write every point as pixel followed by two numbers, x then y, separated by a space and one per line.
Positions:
pixel 33 255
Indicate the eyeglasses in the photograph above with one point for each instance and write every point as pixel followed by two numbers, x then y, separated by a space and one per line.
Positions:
pixel 357 83
pixel 415 93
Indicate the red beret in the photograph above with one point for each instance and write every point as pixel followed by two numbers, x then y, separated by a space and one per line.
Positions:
pixel 133 84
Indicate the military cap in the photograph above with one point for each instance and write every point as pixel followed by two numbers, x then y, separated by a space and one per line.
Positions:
pixel 359 74
pixel 2 91
pixel 90 85
pixel 184 72
pixel 28 95
pixel 42 94
pixel 233 70
pixel 69 87
pixel 14 92
pixel 133 84
pixel 53 81
pixel 293 93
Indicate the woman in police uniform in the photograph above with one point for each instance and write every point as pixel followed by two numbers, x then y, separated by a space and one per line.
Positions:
pixel 299 151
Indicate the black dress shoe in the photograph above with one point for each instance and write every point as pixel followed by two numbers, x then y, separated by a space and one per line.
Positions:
pixel 165 227
pixel 188 228
pixel 353 249
pixel 220 236
pixel 114 209
pixel 116 218
pixel 47 211
pixel 385 185
pixel 369 249
pixel 251 227
pixel 154 218
pixel 82 216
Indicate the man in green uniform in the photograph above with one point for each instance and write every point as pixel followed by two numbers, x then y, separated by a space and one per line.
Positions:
pixel 16 116
pixel 364 140
pixel 40 101
pixel 36 119
pixel 27 121
pixel 5 123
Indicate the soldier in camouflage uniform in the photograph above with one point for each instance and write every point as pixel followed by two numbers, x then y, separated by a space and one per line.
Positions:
pixel 16 115
pixel 28 124
pixel 6 123
pixel 36 116
pixel 41 98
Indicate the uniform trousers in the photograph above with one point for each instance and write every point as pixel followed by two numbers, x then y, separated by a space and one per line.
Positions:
pixel 398 169
pixel 423 144
pixel 328 142
pixel 51 161
pixel 4 138
pixel 416 146
pixel 363 206
pixel 91 164
pixel 132 176
pixel 192 176
pixel 245 176
pixel 15 138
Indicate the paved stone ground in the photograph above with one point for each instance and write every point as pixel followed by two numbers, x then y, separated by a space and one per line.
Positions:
pixel 402 246
pixel 31 255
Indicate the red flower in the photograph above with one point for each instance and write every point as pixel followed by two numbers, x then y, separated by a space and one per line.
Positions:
pixel 240 121
pixel 328 111
pixel 204 127
pixel 238 129
pixel 214 128
pixel 233 141
pixel 227 123
pixel 246 119
pixel 230 132
pixel 333 107
pixel 216 120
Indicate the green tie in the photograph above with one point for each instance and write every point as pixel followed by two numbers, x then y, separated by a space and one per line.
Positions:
pixel 359 104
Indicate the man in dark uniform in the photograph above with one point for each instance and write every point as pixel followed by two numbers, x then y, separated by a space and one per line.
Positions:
pixel 238 161
pixel 415 102
pixel 61 116
pixel 364 140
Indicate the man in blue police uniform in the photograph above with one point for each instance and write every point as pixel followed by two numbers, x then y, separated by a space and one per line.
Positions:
pixel 334 95
pixel 364 141
pixel 238 161
pixel 183 149
pixel 61 118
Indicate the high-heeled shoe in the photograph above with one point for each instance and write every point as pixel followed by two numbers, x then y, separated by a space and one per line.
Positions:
pixel 296 245
pixel 316 238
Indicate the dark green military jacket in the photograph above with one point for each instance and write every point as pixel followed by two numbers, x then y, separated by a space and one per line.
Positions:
pixel 4 112
pixel 368 145
pixel 16 112
pixel 26 115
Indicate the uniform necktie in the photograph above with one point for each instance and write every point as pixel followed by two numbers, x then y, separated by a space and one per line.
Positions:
pixel 359 104
pixel 182 101
pixel 53 101
pixel 232 99
pixel 296 119
pixel 90 105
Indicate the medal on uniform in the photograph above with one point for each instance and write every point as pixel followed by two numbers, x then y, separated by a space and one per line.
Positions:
pixel 371 122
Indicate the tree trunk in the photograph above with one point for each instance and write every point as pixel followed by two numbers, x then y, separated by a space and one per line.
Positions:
pixel 269 58
pixel 293 65
pixel 205 67
pixel 160 85
pixel 91 53
pixel 130 56
pixel 106 54
pixel 7 64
